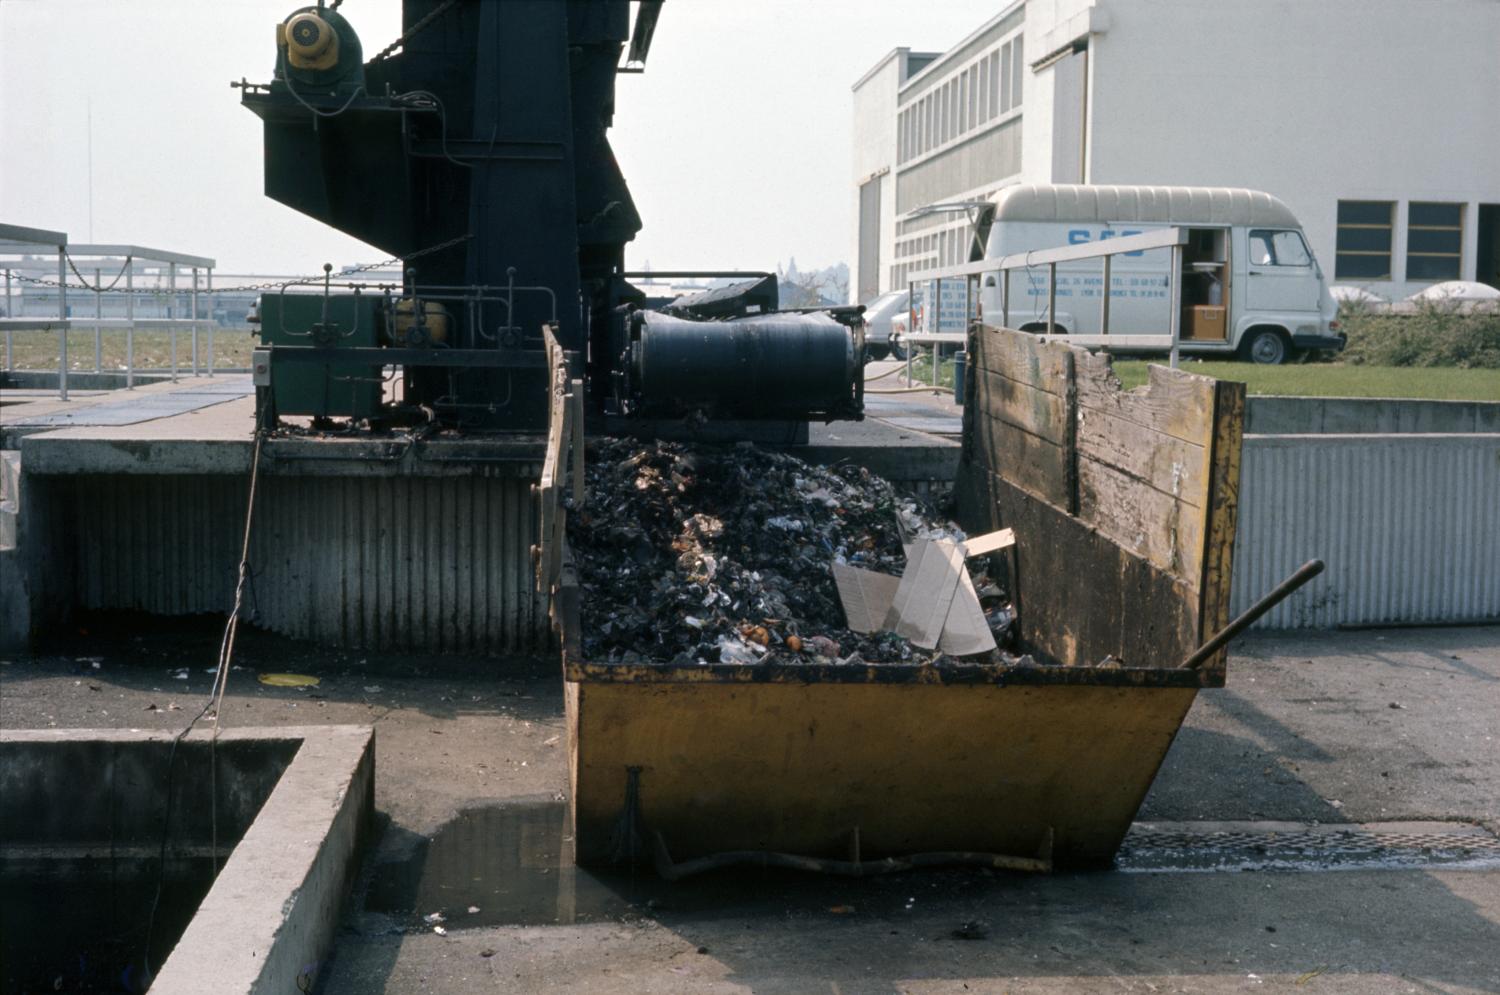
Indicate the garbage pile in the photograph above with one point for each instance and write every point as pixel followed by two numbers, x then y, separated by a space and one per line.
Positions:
pixel 698 554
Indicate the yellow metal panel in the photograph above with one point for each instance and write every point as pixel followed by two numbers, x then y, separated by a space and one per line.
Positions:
pixel 914 767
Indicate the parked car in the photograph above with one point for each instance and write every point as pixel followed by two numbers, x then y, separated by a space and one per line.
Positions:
pixel 879 342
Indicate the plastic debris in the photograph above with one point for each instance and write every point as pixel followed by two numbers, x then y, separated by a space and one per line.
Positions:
pixel 290 680
pixel 699 554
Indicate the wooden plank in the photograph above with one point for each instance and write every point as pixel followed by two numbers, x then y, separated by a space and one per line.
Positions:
pixel 1018 355
pixel 1223 516
pixel 990 542
pixel 966 631
pixel 1066 587
pixel 1166 463
pixel 1165 531
pixel 925 593
pixel 576 440
pixel 867 596
pixel 1032 463
pixel 1026 406
pixel 1173 403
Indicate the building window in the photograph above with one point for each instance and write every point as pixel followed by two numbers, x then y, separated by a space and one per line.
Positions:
pixel 1017 64
pixel 984 90
pixel 973 96
pixel 1363 247
pixel 1005 79
pixel 1434 241
pixel 994 64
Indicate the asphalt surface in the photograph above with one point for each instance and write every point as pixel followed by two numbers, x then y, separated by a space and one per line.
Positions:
pixel 471 783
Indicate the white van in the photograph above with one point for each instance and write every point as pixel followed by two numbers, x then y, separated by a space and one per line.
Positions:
pixel 1250 283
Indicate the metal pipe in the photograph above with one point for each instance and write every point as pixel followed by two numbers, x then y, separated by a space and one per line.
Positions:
pixel 10 360
pixel 911 324
pixel 62 315
pixel 208 281
pixel 194 300
pixel 130 326
pixel 1174 296
pixel 671 870
pixel 172 314
pixel 98 313
pixel 1005 298
pixel 1104 306
pixel 1051 298
pixel 1304 573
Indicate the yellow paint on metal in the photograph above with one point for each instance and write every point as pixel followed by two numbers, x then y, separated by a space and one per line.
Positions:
pixel 915 767
pixel 311 42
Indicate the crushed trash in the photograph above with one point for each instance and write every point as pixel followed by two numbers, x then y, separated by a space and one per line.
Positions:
pixel 700 554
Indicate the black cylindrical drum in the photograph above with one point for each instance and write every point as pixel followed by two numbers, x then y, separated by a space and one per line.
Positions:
pixel 798 366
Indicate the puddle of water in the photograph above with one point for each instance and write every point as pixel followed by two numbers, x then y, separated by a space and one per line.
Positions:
pixel 87 933
pixel 515 864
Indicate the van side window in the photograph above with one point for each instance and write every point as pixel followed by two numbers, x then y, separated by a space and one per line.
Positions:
pixel 1278 248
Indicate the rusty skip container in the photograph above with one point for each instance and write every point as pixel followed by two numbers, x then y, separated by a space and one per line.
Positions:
pixel 1123 504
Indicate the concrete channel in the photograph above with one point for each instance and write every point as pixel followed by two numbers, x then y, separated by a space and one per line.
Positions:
pixel 229 880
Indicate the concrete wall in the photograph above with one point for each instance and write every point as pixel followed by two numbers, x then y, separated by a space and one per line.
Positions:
pixel 874 155
pixel 1409 526
pixel 1343 415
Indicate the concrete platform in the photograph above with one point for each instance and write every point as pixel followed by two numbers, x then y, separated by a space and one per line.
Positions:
pixel 1304 733
pixel 137 500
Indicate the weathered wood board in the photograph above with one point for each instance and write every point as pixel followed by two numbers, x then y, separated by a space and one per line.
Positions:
pixel 1123 502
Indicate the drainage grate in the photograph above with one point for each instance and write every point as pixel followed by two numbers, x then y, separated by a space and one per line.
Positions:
pixel 1292 846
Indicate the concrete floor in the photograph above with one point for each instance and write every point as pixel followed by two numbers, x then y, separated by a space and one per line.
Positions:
pixel 1305 730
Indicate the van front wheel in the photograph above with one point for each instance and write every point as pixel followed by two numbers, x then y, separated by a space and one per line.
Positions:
pixel 1268 346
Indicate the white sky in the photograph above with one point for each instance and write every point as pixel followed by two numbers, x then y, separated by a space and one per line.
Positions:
pixel 735 141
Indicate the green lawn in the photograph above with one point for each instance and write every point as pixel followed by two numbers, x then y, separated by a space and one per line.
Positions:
pixel 1338 380
pixel 1305 380
pixel 153 349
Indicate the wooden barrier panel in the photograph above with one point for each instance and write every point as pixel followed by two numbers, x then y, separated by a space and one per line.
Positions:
pixel 1123 502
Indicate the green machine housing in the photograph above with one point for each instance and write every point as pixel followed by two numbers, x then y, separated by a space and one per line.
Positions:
pixel 331 389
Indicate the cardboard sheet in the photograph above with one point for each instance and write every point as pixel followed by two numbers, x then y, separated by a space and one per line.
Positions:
pixel 920 607
pixel 866 595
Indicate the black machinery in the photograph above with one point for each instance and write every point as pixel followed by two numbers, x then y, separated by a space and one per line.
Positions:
pixel 474 149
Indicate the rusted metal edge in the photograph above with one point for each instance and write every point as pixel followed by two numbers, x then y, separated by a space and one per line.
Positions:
pixel 942 674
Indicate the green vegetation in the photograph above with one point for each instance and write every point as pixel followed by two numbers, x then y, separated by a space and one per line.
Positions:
pixel 921 370
pixel 1434 335
pixel 1338 379
pixel 153 349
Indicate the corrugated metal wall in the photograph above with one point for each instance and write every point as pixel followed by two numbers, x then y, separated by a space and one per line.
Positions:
pixel 438 564
pixel 1409 526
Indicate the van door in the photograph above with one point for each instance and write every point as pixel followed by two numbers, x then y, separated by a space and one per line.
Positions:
pixel 1279 270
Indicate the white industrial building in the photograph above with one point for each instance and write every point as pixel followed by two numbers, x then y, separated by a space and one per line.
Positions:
pixel 1376 121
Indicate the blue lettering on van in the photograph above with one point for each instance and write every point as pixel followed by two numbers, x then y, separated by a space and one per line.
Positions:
pixel 1078 236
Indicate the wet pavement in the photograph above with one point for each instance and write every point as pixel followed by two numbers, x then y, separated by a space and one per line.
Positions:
pixel 1317 730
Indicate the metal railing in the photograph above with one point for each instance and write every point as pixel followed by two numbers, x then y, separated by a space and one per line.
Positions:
pixel 1165 238
pixel 16 241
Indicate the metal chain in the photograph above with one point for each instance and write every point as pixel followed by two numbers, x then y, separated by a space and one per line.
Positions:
pixel 433 15
pixel 270 285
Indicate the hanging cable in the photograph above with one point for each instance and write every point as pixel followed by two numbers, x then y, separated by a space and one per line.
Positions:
pixel 216 703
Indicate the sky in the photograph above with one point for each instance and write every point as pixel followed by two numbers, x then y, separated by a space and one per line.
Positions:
pixel 735 141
